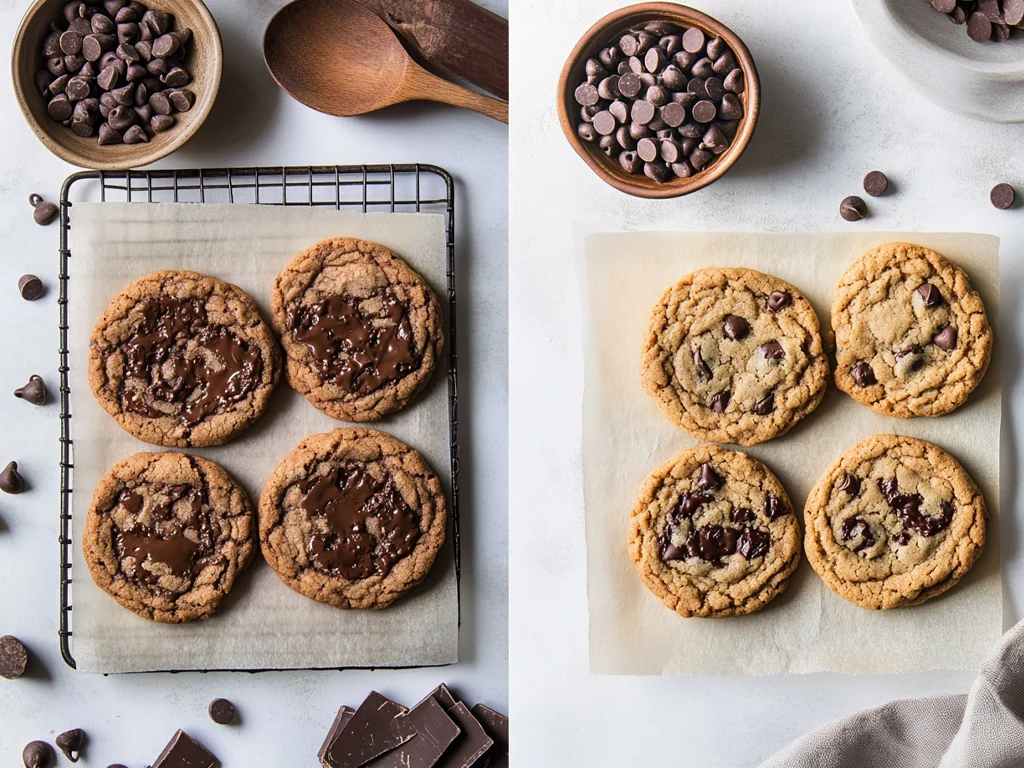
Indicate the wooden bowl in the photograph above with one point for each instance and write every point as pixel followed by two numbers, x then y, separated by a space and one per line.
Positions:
pixel 205 61
pixel 609 29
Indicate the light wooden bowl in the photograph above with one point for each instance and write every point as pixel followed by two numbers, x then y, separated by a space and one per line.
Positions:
pixel 205 61
pixel 610 28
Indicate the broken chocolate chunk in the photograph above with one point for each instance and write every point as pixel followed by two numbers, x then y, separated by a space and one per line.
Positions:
pixel 862 374
pixel 930 295
pixel 185 752
pixel 849 483
pixel 720 401
pixel 378 726
pixel 773 507
pixel 709 479
pixel 702 367
pixel 735 327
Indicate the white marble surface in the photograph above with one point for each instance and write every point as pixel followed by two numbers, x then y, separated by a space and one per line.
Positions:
pixel 832 110
pixel 284 715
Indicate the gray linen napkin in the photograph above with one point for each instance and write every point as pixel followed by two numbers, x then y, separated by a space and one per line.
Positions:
pixel 982 730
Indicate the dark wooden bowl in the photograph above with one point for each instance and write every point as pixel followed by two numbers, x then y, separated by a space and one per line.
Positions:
pixel 610 28
pixel 205 61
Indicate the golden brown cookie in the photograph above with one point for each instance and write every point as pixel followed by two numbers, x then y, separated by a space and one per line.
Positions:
pixel 353 518
pixel 361 330
pixel 911 333
pixel 734 356
pixel 167 535
pixel 713 533
pixel 183 359
pixel 894 521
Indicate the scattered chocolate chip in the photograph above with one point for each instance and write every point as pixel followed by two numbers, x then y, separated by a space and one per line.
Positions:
pixel 33 392
pixel 222 711
pixel 709 479
pixel 853 208
pixel 876 183
pixel 38 754
pixel 13 658
pixel 30 287
pixel 929 294
pixel 765 405
pixel 10 480
pixel 71 743
pixel 777 300
pixel 720 401
pixel 702 367
pixel 44 212
pixel 736 327
pixel 862 374
pixel 772 350
pixel 979 27
pixel 773 507
pixel 850 483
pixel 1002 196
pixel 945 339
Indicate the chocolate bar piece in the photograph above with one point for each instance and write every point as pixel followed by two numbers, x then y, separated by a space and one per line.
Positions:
pixel 340 721
pixel 442 696
pixel 496 725
pixel 378 726
pixel 182 751
pixel 435 732
pixel 472 743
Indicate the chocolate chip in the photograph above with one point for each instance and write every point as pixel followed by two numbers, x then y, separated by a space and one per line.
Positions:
pixel 862 374
pixel 30 287
pixel 135 135
pixel 734 82
pixel 930 295
pixel 732 108
pixel 772 350
pixel 709 479
pixel 753 543
pixel 703 68
pixel 71 743
pixel 670 551
pixel 943 6
pixel 875 183
pixel 853 208
pixel 586 95
pixel 693 40
pixel 176 78
pixel 108 135
pixel 689 504
pixel 720 401
pixel 33 392
pixel 702 367
pixel 60 108
pixel 850 483
pixel 161 123
pixel 736 327
pixel 946 339
pixel 773 507
pixel 222 711
pixel 765 405
pixel 38 754
pixel 43 212
pixel 912 350
pixel 71 43
pixel 13 658
pixel 604 122
pixel 854 527
pixel 742 515
pixel 704 111
pixel 1002 196
pixel 10 480
pixel 979 27
pixel 778 300
pixel 656 171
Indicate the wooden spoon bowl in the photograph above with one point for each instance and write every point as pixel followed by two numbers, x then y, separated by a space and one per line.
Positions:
pixel 338 57
pixel 205 61
pixel 610 28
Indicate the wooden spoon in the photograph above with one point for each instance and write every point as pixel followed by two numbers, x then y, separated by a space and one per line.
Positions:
pixel 340 58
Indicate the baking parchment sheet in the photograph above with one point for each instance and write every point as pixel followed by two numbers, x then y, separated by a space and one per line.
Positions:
pixel 625 437
pixel 262 624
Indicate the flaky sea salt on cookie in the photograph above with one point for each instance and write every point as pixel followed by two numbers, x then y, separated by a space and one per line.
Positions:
pixel 713 533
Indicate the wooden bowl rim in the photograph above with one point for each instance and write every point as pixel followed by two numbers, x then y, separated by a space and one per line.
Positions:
pixel 202 108
pixel 639 185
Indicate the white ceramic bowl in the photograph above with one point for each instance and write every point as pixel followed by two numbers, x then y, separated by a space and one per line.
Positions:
pixel 980 80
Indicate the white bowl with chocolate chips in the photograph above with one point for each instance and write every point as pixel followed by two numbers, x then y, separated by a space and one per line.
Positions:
pixel 116 84
pixel 658 99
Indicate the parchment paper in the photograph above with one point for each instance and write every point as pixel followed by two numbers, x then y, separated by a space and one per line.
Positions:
pixel 262 624
pixel 808 628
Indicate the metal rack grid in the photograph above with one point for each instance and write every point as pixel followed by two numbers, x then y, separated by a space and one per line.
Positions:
pixel 407 188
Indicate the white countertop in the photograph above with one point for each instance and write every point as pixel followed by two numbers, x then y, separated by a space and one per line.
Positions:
pixel 831 112
pixel 284 715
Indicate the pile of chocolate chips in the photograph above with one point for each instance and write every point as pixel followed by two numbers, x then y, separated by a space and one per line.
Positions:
pixel 439 732
pixel 663 100
pixel 115 69
pixel 986 20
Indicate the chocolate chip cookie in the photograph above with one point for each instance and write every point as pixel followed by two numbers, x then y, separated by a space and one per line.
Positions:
pixel 352 518
pixel 734 356
pixel 894 521
pixel 911 333
pixel 361 330
pixel 167 535
pixel 182 359
pixel 713 533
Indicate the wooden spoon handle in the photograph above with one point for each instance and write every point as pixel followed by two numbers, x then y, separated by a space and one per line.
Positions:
pixel 433 88
pixel 458 37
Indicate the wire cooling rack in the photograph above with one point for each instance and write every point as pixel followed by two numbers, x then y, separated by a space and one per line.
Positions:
pixel 411 188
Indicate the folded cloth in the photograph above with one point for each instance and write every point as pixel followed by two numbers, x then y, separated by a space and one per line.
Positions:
pixel 984 729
